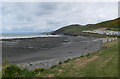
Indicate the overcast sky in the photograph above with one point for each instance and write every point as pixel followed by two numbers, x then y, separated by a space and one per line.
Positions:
pixel 44 17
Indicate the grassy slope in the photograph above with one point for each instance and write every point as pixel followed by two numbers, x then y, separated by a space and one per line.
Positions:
pixel 100 64
pixel 77 29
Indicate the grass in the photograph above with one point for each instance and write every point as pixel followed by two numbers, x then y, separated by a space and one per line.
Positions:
pixel 80 29
pixel 102 63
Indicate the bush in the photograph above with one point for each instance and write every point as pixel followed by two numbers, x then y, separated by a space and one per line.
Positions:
pixel 16 71
pixel 81 56
pixel 27 73
pixel 53 66
pixel 37 70
pixel 4 65
pixel 66 60
pixel 12 71
pixel 60 63
pixel 87 54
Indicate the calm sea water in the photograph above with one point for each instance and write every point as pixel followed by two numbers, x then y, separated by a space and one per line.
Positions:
pixel 24 35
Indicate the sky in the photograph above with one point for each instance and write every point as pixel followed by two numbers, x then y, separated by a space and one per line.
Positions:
pixel 48 16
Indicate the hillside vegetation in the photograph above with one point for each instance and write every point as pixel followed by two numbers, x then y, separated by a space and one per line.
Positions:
pixel 77 29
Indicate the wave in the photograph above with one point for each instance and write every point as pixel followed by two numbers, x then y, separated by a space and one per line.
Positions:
pixel 34 36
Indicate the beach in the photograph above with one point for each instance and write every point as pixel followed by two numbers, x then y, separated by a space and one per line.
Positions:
pixel 47 51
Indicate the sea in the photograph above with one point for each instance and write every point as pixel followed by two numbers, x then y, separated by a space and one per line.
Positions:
pixel 24 35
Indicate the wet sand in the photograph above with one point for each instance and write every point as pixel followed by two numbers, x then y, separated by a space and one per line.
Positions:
pixel 47 51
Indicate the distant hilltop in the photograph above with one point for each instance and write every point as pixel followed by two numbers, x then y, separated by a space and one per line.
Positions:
pixel 77 29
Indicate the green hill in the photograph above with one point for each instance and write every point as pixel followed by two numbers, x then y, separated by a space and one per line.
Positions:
pixel 77 29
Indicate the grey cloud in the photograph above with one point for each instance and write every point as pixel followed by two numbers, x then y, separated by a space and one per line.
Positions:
pixel 48 16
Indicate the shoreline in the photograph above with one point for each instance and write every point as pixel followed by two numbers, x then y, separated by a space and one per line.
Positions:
pixel 44 49
pixel 26 37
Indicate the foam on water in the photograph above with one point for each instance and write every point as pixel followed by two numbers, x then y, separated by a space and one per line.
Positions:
pixel 14 36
